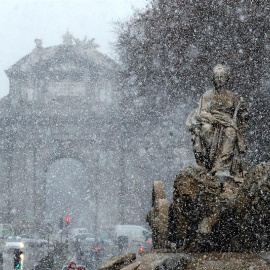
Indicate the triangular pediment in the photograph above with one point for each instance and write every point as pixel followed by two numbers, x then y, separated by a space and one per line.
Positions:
pixel 61 59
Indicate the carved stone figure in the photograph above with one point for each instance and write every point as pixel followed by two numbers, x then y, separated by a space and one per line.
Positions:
pixel 158 216
pixel 217 206
pixel 218 126
pixel 85 44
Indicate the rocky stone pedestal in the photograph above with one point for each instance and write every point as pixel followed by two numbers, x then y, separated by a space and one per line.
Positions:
pixel 222 214
pixel 157 260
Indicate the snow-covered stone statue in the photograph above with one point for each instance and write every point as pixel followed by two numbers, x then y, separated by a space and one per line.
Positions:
pixel 212 201
pixel 218 126
pixel 220 206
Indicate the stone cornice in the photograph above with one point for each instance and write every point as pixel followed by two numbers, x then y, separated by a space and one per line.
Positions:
pixel 62 59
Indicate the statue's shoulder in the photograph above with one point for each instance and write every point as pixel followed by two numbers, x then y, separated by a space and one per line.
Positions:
pixel 209 94
pixel 232 95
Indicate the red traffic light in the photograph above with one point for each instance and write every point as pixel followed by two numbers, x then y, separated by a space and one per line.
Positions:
pixel 67 219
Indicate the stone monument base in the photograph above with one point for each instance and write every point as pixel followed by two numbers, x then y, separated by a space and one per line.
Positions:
pixel 213 214
pixel 159 259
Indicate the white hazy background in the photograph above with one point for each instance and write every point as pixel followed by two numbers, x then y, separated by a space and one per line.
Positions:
pixel 22 21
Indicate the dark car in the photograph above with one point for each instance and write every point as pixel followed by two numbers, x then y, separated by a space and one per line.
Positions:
pixel 146 246
pixel 91 252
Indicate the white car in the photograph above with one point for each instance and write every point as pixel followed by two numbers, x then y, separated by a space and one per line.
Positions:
pixel 131 237
pixel 33 240
pixel 14 242
pixel 81 267
pixel 75 231
pixel 82 236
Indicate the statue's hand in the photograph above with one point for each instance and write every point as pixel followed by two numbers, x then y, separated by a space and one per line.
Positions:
pixel 208 117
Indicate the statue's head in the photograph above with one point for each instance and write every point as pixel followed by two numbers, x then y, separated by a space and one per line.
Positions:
pixel 220 76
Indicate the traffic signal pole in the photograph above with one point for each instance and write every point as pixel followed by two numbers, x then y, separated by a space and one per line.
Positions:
pixel 17 259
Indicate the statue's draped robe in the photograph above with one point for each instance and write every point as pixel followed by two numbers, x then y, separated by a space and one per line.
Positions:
pixel 218 127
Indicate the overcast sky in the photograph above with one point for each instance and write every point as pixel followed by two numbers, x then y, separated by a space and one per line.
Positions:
pixel 22 21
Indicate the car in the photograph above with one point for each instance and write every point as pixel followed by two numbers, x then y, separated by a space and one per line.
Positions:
pixel 91 252
pixel 82 236
pixel 146 246
pixel 108 246
pixel 133 232
pixel 78 267
pixel 75 231
pixel 78 239
pixel 81 267
pixel 14 242
pixel 33 240
pixel 60 236
pixel 83 245
pixel 131 238
pixel 88 243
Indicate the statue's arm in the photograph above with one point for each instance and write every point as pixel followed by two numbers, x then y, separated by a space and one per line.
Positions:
pixel 204 111
pixel 202 114
pixel 242 119
pixel 243 115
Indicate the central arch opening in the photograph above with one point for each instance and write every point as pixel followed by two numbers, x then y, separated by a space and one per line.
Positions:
pixel 68 194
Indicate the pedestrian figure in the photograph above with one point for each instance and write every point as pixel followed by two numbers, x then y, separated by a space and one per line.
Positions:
pixel 72 266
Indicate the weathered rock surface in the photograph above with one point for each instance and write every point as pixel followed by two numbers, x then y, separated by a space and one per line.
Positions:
pixel 119 262
pixel 196 205
pixel 212 215
pixel 252 212
pixel 158 217
pixel 204 261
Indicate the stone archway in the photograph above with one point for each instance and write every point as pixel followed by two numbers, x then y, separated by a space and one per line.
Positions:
pixel 55 111
pixel 68 193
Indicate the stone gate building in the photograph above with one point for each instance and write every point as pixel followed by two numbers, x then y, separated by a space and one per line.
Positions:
pixel 62 104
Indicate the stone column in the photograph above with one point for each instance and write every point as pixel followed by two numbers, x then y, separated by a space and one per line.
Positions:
pixel 5 181
pixel 39 192
pixel 30 155
pixel 92 193
pixel 18 188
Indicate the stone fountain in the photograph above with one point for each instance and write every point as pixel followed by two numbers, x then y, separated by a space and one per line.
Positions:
pixel 220 216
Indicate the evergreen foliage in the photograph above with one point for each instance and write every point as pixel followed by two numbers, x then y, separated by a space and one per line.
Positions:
pixel 169 49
